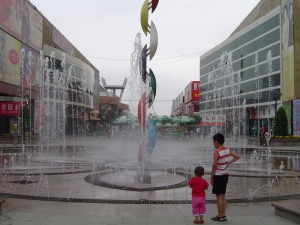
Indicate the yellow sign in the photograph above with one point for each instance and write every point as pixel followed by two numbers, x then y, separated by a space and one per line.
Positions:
pixel 15 127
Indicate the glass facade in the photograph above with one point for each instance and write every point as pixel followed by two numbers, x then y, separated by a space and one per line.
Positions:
pixel 243 73
pixel 80 90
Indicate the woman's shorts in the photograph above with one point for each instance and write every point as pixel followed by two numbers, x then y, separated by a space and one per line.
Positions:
pixel 198 205
pixel 220 184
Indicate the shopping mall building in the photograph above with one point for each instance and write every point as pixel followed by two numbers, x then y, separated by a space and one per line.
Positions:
pixel 66 79
pixel 255 70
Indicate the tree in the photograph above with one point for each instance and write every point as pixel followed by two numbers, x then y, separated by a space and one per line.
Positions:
pixel 26 120
pixel 281 123
pixel 108 113
pixel 197 118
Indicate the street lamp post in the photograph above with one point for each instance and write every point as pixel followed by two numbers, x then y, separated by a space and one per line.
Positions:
pixel 275 99
pixel 275 106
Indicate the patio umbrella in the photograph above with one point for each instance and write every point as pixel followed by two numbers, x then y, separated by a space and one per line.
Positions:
pixel 166 119
pixel 126 119
pixel 182 119
pixel 155 119
pixel 169 125
pixel 192 120
pixel 158 125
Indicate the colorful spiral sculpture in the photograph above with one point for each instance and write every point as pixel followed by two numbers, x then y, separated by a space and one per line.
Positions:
pixel 148 97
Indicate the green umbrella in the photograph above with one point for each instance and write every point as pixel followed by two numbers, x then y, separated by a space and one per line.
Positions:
pixel 169 125
pixel 125 120
pixel 158 125
pixel 182 119
pixel 155 119
pixel 166 119
pixel 192 120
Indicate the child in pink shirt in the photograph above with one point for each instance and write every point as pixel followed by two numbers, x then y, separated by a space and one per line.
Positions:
pixel 198 185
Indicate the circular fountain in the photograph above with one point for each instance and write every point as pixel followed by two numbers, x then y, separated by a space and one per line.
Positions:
pixel 81 167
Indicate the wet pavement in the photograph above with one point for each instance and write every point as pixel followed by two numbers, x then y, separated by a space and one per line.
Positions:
pixel 23 212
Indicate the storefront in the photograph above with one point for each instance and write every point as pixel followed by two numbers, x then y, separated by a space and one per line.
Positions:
pixel 9 111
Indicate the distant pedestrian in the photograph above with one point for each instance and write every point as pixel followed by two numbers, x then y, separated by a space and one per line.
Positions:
pixel 265 128
pixel 112 135
pixel 261 137
pixel 124 138
pixel 235 132
pixel 198 132
pixel 198 185
pixel 107 129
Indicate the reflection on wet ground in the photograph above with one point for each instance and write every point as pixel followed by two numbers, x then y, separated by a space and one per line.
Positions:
pixel 61 173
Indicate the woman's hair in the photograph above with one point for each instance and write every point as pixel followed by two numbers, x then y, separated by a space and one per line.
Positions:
pixel 17 9
pixel 2 38
pixel 285 8
pixel 26 9
pixel 199 171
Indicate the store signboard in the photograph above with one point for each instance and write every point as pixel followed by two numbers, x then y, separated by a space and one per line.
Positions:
pixel 296 117
pixel 192 92
pixel 213 118
pixel 10 108
pixel 195 90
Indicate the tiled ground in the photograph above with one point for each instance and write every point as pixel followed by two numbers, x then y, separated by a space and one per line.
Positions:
pixel 23 212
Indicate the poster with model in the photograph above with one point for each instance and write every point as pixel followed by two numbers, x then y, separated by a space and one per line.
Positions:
pixel 11 16
pixel 32 27
pixel 9 59
pixel 21 21
pixel 287 47
pixel 296 117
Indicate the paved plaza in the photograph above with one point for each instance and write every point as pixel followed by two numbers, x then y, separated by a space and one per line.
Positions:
pixel 23 212
pixel 29 211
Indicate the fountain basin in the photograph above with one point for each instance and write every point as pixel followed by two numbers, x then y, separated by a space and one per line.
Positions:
pixel 134 181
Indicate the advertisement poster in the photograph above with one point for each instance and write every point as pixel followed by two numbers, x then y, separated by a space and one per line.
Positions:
pixel 32 28
pixel 30 73
pixel 195 90
pixel 288 112
pixel 9 59
pixel 287 47
pixel 22 21
pixel 11 16
pixel 188 93
pixel 296 117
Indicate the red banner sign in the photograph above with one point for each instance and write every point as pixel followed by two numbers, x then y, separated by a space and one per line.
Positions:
pixel 10 108
pixel 195 90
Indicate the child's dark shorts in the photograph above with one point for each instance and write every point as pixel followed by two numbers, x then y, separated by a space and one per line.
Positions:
pixel 220 184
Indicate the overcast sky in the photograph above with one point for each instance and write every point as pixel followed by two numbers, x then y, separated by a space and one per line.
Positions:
pixel 104 32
